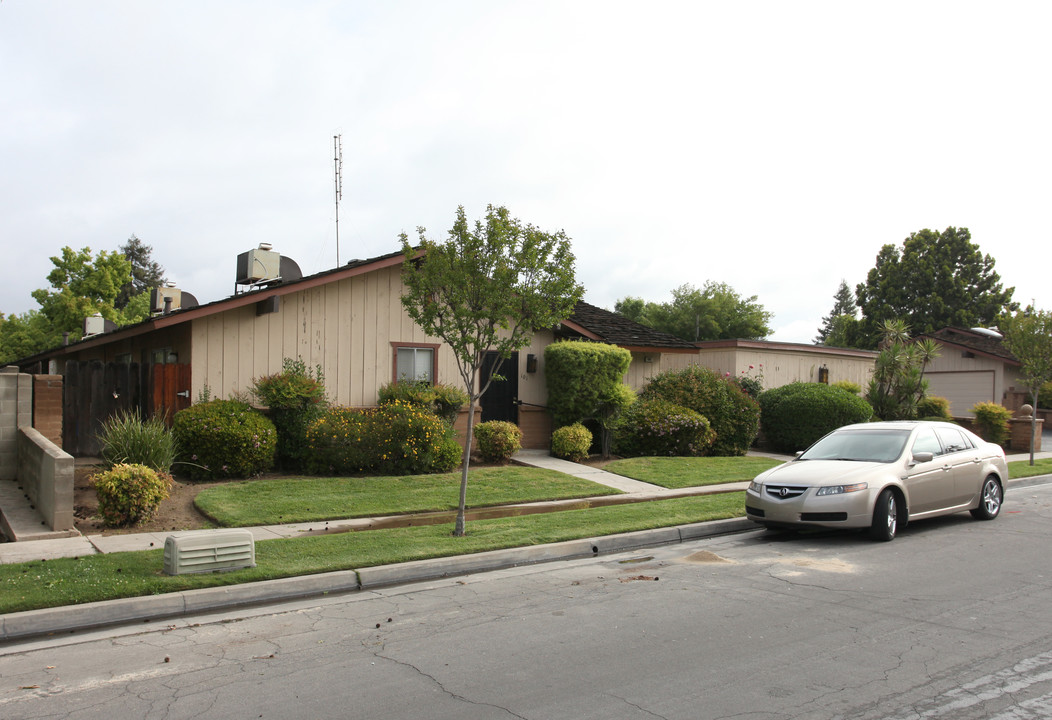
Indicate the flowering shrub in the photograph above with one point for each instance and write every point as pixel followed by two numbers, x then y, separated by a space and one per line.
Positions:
pixel 224 438
pixel 732 413
pixel 130 494
pixel 442 400
pixel 750 382
pixel 572 442
pixel 394 439
pixel 798 414
pixel 659 427
pixel 498 440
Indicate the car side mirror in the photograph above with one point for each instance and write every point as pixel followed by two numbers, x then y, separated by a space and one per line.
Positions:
pixel 923 457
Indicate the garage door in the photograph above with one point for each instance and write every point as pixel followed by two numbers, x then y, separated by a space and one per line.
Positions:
pixel 963 389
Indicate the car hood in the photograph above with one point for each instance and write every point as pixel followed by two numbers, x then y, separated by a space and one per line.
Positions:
pixel 822 472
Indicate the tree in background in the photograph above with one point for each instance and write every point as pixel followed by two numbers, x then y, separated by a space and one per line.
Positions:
pixel 146 273
pixel 487 289
pixel 837 325
pixel 715 312
pixel 25 334
pixel 936 280
pixel 1028 336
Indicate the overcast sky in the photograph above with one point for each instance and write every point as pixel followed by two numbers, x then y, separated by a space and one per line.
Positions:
pixel 774 146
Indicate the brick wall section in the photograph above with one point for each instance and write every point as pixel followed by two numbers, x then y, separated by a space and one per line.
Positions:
pixel 47 406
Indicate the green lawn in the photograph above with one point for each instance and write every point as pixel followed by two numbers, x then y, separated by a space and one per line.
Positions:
pixel 310 499
pixel 1023 468
pixel 27 586
pixel 682 472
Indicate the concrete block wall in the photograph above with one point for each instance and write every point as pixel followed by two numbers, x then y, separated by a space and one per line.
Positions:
pixel 47 406
pixel 16 411
pixel 46 474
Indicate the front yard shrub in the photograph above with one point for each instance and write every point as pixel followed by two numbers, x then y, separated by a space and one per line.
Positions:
pixel 732 413
pixel 571 442
pixel 128 439
pixel 852 387
pixel 933 407
pixel 442 400
pixel 295 398
pixel 393 439
pixel 991 422
pixel 581 376
pixel 130 493
pixel 654 426
pixel 224 439
pixel 498 440
pixel 798 414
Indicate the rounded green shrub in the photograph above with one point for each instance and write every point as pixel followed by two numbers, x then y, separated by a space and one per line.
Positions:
pixel 933 407
pixel 130 493
pixel 127 438
pixel 571 442
pixel 295 398
pixel 798 414
pixel 394 439
pixel 224 439
pixel 733 415
pixel 498 440
pixel 658 427
pixel 991 422
pixel 852 387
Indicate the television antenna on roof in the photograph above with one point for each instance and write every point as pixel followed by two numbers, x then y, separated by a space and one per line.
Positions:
pixel 337 150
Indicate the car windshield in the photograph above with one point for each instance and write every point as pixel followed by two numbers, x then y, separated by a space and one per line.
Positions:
pixel 859 445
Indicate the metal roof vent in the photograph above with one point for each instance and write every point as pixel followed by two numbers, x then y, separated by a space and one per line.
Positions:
pixel 209 551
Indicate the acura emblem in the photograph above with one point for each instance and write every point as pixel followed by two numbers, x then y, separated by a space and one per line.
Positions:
pixel 783 491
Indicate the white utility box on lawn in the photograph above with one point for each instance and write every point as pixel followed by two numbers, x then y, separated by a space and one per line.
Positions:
pixel 208 551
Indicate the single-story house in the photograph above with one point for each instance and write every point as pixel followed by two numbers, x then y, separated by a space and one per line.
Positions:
pixel 974 366
pixel 350 322
pixel 780 363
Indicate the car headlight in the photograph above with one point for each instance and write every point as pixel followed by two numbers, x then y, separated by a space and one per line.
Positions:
pixel 756 487
pixel 841 489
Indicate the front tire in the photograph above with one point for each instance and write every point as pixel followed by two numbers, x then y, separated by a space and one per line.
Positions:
pixel 990 500
pixel 885 517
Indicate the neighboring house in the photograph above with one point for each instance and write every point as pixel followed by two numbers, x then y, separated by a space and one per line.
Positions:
pixel 780 363
pixel 974 366
pixel 351 323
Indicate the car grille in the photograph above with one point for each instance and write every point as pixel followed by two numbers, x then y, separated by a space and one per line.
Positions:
pixel 823 517
pixel 784 492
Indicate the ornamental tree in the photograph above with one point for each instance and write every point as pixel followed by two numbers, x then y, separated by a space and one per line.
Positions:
pixel 1028 336
pixel 487 288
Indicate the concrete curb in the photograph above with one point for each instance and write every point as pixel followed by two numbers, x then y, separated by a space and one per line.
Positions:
pixel 70 618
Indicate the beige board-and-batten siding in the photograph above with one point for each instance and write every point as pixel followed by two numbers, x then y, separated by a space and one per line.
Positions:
pixel 347 327
pixel 783 363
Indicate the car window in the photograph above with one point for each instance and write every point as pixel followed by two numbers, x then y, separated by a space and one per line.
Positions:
pixel 953 440
pixel 860 445
pixel 926 441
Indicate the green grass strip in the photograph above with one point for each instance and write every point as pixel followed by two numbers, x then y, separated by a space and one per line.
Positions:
pixel 1023 468
pixel 309 499
pixel 52 583
pixel 682 472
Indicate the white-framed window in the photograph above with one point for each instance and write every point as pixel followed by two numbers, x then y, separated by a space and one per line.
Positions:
pixel 415 363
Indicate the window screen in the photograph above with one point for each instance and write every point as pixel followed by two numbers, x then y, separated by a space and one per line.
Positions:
pixel 415 364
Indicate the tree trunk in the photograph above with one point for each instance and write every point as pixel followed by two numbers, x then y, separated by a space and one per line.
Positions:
pixel 458 530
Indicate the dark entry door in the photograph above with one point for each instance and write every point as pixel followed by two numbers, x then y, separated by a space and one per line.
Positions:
pixel 500 401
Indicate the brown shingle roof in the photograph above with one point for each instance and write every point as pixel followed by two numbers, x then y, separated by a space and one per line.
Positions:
pixel 616 329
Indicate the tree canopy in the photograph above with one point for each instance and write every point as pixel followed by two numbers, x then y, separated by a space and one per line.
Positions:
pixel 487 288
pixel 1028 336
pixel 835 325
pixel 146 273
pixel 935 280
pixel 715 312
pixel 81 285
